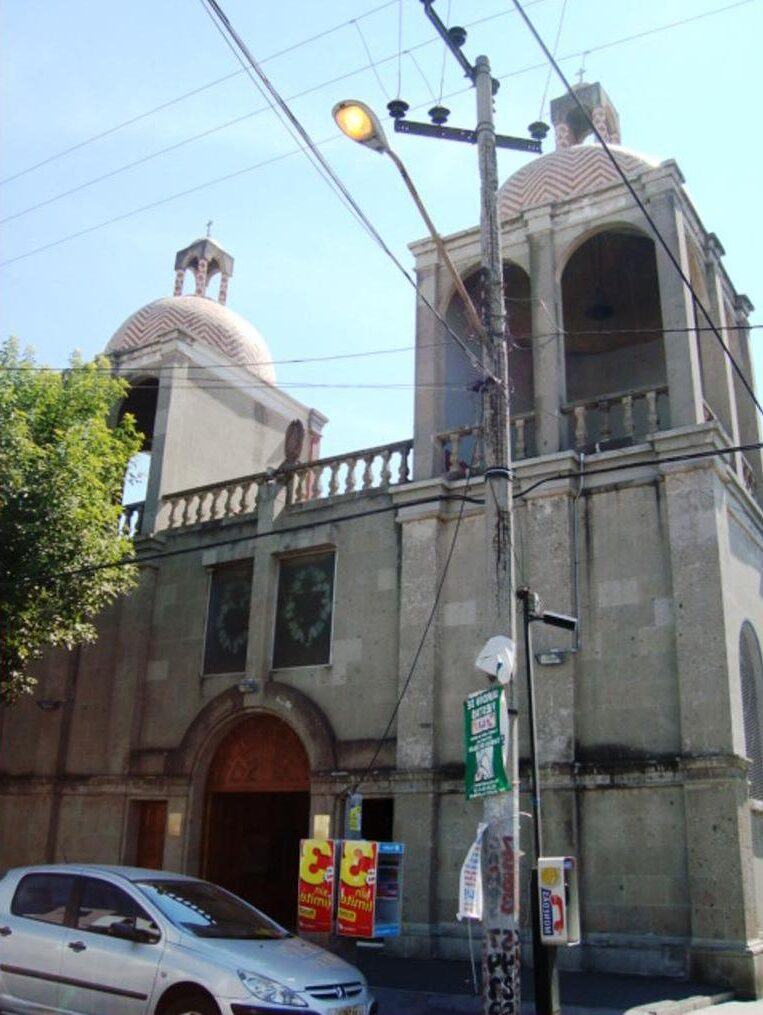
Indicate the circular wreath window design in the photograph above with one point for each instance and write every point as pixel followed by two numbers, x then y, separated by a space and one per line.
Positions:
pixel 231 620
pixel 307 607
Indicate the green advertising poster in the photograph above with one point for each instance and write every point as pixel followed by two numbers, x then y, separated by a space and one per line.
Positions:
pixel 486 734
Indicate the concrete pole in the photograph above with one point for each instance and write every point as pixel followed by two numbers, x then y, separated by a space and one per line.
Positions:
pixel 500 857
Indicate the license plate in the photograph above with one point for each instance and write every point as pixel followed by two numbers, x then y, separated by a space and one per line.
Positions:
pixel 352 1009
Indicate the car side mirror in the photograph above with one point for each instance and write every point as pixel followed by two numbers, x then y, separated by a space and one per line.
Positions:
pixel 126 930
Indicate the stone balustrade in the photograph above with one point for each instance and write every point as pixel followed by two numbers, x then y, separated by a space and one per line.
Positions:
pixel 357 472
pixel 459 451
pixel 626 417
pixel 370 469
pixel 231 499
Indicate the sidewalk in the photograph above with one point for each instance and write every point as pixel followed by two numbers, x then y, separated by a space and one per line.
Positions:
pixel 442 987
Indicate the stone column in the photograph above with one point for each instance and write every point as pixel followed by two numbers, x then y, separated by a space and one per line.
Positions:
pixel 749 420
pixel 133 635
pixel 430 372
pixel 415 801
pixel 681 352
pixel 721 886
pixel 718 374
pixel 172 373
pixel 548 339
pixel 201 277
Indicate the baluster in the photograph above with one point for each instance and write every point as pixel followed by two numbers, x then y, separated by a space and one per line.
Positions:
pixel 652 422
pixel 289 488
pixel 349 484
pixel 185 518
pixel 260 485
pixel 368 476
pixel 225 500
pixel 627 403
pixel 244 504
pixel 385 475
pixel 454 463
pixel 206 500
pixel 171 518
pixel 315 482
pixel 404 472
pixel 519 429
pixel 300 485
pixel 605 427
pixel 334 478
pixel 581 435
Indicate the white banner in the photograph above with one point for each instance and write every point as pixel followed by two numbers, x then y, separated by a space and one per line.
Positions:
pixel 470 881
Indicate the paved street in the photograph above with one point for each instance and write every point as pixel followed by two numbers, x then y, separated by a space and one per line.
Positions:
pixel 429 986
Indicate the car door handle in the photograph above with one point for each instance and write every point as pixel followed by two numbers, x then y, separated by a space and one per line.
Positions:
pixel 5 931
pixel 77 946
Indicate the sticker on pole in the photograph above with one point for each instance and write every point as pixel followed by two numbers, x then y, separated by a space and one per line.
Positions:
pixel 486 735
pixel 470 881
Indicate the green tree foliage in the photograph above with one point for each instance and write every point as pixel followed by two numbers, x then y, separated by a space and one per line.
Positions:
pixel 62 466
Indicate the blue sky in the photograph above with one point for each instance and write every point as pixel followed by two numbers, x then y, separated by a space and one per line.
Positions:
pixel 306 275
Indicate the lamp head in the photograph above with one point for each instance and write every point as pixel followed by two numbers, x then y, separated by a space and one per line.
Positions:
pixel 358 122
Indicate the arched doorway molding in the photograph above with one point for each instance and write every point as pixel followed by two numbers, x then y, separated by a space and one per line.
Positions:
pixel 212 725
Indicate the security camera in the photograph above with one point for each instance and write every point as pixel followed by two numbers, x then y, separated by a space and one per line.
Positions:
pixel 562 620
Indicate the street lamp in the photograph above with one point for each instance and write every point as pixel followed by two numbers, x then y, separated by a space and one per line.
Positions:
pixel 358 122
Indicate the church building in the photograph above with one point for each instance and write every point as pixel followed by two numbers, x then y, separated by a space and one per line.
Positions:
pixel 244 687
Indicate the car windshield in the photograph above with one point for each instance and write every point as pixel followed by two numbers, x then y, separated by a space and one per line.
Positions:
pixel 208 911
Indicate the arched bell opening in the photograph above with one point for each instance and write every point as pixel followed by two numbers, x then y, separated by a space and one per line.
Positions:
pixel 463 397
pixel 140 402
pixel 614 347
pixel 257 809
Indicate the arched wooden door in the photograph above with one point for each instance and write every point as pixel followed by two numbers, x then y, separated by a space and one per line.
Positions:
pixel 257 810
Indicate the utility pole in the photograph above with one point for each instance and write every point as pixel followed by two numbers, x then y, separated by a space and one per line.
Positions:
pixel 501 957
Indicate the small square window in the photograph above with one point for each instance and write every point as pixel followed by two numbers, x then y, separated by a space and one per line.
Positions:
pixel 230 593
pixel 304 612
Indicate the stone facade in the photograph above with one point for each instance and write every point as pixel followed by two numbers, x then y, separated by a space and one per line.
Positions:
pixel 628 514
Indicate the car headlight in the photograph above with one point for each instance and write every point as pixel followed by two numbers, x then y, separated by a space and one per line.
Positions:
pixel 269 990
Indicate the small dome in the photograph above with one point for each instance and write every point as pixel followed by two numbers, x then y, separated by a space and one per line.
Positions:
pixel 201 319
pixel 567 173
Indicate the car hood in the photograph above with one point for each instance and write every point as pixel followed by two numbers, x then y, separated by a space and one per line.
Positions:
pixel 289 960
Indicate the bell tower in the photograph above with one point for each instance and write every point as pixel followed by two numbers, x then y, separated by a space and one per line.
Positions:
pixel 205 259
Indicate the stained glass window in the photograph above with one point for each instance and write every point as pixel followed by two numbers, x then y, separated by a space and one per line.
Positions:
pixel 304 613
pixel 230 592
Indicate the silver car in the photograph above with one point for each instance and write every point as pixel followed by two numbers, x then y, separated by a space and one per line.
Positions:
pixel 97 940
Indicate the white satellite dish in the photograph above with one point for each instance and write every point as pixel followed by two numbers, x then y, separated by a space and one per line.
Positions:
pixel 498 658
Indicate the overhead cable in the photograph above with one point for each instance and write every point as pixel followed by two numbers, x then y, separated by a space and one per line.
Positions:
pixel 642 207
pixel 323 167
pixel 198 547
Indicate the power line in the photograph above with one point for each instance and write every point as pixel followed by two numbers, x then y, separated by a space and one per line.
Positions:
pixel 213 182
pixel 320 164
pixel 190 94
pixel 367 353
pixel 200 547
pixel 227 77
pixel 642 207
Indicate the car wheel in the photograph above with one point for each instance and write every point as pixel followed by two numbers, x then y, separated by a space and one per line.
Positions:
pixel 192 1004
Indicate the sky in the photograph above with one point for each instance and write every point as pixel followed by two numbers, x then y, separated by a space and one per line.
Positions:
pixel 91 227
